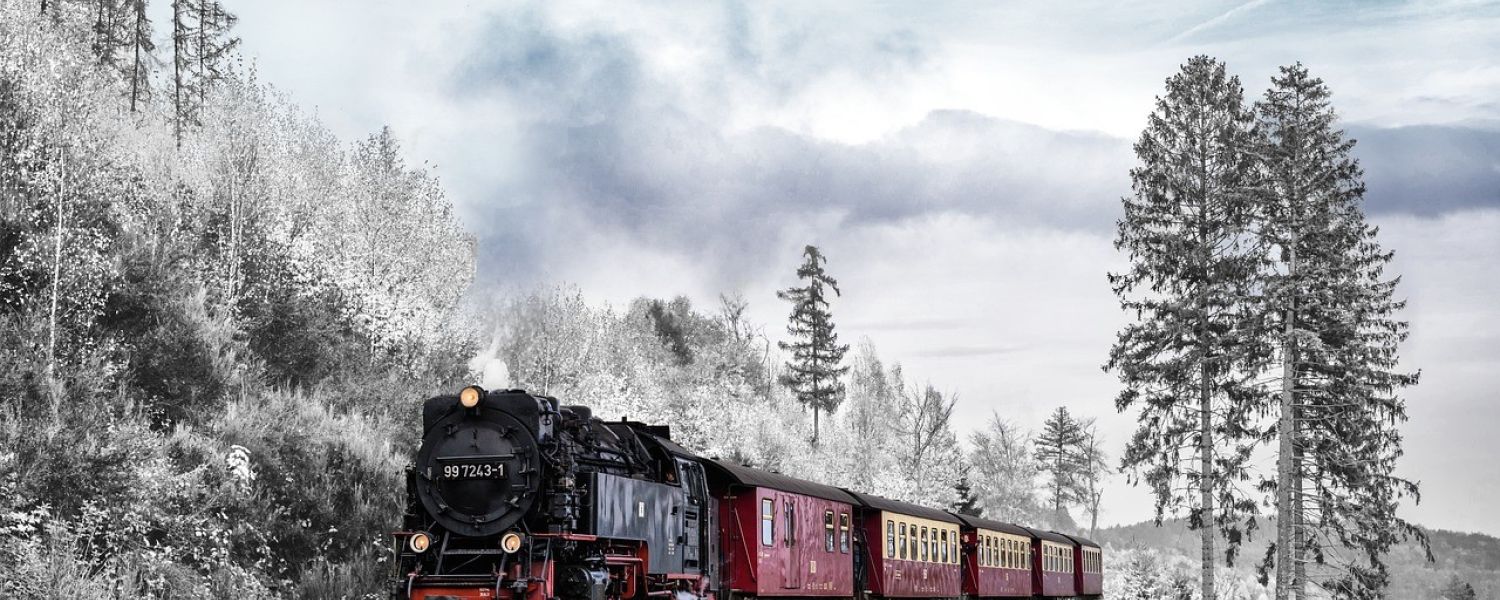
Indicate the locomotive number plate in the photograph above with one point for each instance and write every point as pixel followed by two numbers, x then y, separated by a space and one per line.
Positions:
pixel 470 469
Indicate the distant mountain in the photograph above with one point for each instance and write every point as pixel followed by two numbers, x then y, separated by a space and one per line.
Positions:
pixel 1472 557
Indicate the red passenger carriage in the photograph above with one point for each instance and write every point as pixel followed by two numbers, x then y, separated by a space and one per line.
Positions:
pixel 1089 567
pixel 996 559
pixel 1052 564
pixel 913 550
pixel 783 536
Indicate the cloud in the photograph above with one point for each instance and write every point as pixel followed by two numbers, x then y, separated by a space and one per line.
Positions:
pixel 1428 170
pixel 1219 20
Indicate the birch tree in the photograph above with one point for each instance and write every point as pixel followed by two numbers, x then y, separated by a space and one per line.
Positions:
pixel 1183 360
pixel 1335 312
pixel 927 452
pixel 1094 469
pixel 1003 471
pixel 866 416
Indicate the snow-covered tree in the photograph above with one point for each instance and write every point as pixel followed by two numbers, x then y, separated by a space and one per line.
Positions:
pixel 1183 360
pixel 1095 469
pixel 869 457
pixel 1004 472
pixel 815 368
pixel 928 457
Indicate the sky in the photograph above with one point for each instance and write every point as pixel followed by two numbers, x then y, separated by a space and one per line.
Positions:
pixel 960 163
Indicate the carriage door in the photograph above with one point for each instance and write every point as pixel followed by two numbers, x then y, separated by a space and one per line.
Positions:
pixel 694 515
pixel 793 545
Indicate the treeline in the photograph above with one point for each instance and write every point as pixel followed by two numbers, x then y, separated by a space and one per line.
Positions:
pixel 214 316
pixel 726 391
pixel 1264 321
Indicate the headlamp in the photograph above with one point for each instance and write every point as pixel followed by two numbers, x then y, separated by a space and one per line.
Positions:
pixel 470 396
pixel 419 542
pixel 510 542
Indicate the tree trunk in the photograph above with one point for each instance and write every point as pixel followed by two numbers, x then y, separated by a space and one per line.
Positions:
pixel 57 244
pixel 1285 512
pixel 1205 480
pixel 135 71
pixel 815 426
pixel 1093 520
pixel 1299 544
pixel 179 39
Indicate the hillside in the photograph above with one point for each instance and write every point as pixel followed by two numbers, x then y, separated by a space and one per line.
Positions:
pixel 1472 557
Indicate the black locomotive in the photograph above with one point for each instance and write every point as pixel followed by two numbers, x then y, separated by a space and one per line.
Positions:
pixel 513 495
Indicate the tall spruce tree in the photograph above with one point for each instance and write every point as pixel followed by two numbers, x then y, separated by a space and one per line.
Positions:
pixel 1059 451
pixel 1335 312
pixel 816 365
pixel 1183 362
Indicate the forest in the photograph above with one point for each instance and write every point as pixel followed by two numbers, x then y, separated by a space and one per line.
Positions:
pixel 218 319
pixel 217 322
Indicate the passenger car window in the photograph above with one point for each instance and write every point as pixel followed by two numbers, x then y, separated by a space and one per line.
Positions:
pixel 890 539
pixel 844 532
pixel 903 541
pixel 767 522
pixel 828 531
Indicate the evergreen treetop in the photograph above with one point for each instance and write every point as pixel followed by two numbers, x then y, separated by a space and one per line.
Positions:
pixel 815 368
pixel 1059 450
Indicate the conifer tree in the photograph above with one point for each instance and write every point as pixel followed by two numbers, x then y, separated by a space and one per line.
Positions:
pixel 815 367
pixel 1058 450
pixel 141 48
pixel 967 503
pixel 201 47
pixel 1183 361
pixel 1335 314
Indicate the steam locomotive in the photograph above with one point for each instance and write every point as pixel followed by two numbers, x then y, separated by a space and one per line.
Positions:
pixel 515 496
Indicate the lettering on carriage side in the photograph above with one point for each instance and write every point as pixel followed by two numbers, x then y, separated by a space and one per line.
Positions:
pixel 812 566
